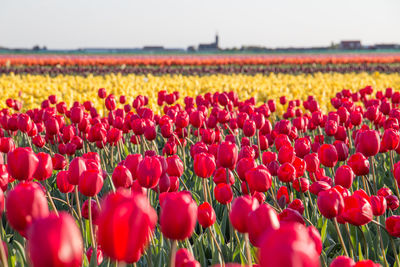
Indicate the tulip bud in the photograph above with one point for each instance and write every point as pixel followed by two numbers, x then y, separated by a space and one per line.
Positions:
pixel 262 219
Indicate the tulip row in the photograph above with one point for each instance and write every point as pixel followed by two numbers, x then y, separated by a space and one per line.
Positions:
pixel 137 60
pixel 198 70
pixel 31 90
pixel 218 179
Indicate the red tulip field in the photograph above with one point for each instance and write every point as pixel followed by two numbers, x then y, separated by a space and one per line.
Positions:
pixel 216 179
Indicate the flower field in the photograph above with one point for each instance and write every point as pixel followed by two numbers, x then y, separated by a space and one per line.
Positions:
pixel 193 161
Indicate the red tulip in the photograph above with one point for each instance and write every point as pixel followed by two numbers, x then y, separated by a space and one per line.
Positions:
pixel 390 139
pixel 204 165
pixel 259 178
pixel 393 225
pixel 126 222
pixel 227 155
pixel 357 209
pixel 286 154
pixel 90 182
pixel 75 170
pixel 243 166
pixel 344 176
pixel 178 215
pixel 302 147
pixel 289 246
pixel 392 202
pixel 312 162
pixel 22 163
pixel 368 142
pixel 149 172
pixel 183 258
pixel 359 164
pixel 342 261
pixel 25 204
pixel 379 205
pixel 221 175
pixel 122 177
pixel 99 255
pixel 223 193
pixel 95 210
pixel 289 215
pixel 260 220
pixel 60 237
pixel 59 162
pixel 249 128
pixel 206 215
pixel 330 203
pixel 286 173
pixel 131 162
pixel 241 207
pixel 6 144
pixel 44 168
pixel 175 166
pixel 328 155
pixel 63 183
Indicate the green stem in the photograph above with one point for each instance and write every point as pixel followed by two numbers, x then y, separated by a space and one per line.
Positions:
pixel 340 237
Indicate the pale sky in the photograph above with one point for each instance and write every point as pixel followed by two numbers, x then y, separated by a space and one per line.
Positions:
pixel 180 23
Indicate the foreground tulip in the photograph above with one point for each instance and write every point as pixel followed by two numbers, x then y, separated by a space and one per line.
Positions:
pixel 330 203
pixel 25 204
pixel 60 237
pixel 22 163
pixel 289 246
pixel 178 215
pixel 126 222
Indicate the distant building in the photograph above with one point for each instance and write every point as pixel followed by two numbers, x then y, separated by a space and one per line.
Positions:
pixel 386 46
pixel 153 48
pixel 350 45
pixel 211 46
